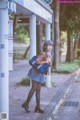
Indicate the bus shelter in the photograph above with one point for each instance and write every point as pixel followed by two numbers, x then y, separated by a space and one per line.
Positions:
pixel 35 10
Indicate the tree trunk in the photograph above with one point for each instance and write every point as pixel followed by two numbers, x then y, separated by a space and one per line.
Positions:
pixel 14 24
pixel 79 48
pixel 69 56
pixel 56 36
pixel 26 52
pixel 39 38
pixel 75 48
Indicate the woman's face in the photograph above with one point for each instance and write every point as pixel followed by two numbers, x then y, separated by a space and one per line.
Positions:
pixel 49 48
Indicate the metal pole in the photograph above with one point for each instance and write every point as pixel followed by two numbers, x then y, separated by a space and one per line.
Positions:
pixel 48 35
pixel 48 76
pixel 53 37
pixel 32 35
pixel 4 71
pixel 32 41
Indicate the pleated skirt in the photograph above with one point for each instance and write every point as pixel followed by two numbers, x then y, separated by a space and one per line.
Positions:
pixel 36 76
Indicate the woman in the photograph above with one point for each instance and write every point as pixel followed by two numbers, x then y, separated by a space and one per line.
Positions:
pixel 38 78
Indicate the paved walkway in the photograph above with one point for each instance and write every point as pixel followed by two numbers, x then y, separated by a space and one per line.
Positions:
pixel 70 109
pixel 18 94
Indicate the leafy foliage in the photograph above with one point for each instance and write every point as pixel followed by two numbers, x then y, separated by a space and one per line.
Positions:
pixel 25 81
pixel 66 67
pixel 21 33
pixel 70 17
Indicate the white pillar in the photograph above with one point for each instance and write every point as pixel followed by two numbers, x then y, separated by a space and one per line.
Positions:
pixel 4 72
pixel 32 35
pixel 32 40
pixel 48 37
pixel 10 43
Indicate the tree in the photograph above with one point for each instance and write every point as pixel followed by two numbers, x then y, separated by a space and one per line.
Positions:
pixel 56 8
pixel 69 56
pixel 79 47
pixel 76 41
pixel 39 38
pixel 69 21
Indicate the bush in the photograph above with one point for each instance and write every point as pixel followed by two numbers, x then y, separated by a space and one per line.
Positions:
pixel 17 56
pixel 22 38
pixel 24 82
pixel 66 67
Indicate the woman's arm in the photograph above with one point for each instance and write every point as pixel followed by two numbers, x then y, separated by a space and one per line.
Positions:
pixel 49 61
pixel 42 59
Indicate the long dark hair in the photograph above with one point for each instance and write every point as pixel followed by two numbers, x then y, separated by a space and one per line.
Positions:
pixel 46 43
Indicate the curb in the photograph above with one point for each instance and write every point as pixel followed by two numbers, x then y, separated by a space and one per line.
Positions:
pixel 57 100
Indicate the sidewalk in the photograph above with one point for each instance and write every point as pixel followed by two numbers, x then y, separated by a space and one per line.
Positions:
pixel 70 109
pixel 18 94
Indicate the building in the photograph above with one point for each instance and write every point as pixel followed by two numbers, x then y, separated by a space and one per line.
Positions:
pixel 36 11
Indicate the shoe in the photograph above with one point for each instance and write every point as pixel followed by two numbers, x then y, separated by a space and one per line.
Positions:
pixel 38 110
pixel 25 107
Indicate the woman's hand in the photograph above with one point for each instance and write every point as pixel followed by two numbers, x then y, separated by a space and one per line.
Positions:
pixel 48 61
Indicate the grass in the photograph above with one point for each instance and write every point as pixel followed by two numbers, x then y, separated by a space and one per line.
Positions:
pixel 18 56
pixel 24 82
pixel 28 57
pixel 22 38
pixel 66 67
pixel 63 68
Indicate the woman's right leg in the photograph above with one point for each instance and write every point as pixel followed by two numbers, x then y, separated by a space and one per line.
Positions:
pixel 33 89
pixel 37 108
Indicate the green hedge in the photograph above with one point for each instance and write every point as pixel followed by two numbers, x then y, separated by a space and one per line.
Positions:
pixel 66 67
